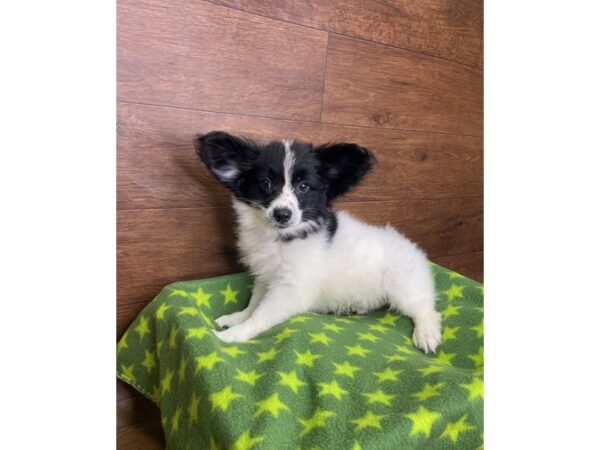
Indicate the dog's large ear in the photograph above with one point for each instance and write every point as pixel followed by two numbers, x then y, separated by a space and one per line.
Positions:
pixel 225 155
pixel 343 166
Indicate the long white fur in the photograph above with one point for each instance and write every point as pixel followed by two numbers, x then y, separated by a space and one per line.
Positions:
pixel 362 268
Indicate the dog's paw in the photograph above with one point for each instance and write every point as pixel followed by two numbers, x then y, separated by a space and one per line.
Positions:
pixel 230 320
pixel 233 334
pixel 428 332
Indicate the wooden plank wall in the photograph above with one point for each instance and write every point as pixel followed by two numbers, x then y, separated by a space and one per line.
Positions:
pixel 403 78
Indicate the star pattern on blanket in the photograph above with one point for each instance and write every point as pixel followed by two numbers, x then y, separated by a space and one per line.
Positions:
pixel 320 381
pixel 316 420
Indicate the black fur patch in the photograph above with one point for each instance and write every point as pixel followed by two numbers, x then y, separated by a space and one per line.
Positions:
pixel 329 171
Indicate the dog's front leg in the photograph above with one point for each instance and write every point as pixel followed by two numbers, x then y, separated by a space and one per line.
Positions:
pixel 229 320
pixel 278 305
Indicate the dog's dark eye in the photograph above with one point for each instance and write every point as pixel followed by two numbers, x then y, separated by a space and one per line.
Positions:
pixel 265 184
pixel 303 188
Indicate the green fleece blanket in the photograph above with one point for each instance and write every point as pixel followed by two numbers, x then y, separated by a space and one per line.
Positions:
pixel 314 382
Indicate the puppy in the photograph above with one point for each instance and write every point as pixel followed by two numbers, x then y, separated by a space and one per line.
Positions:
pixel 304 255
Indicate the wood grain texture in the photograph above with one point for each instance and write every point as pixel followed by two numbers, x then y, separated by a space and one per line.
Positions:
pixel 160 246
pixel 144 434
pixel 200 55
pixel 468 264
pixel 377 86
pixel 158 168
pixel 450 29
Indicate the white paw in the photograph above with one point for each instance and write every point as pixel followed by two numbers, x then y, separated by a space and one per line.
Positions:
pixel 428 332
pixel 236 333
pixel 229 320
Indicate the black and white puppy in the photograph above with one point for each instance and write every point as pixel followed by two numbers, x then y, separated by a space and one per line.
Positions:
pixel 305 256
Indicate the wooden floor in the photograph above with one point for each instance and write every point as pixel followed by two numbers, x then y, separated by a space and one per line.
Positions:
pixel 402 78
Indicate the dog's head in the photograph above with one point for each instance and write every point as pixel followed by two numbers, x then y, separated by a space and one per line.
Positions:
pixel 291 184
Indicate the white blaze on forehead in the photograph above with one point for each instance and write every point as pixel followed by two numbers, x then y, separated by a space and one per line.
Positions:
pixel 288 163
pixel 287 198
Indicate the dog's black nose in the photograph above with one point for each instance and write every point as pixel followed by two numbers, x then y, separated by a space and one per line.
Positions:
pixel 282 215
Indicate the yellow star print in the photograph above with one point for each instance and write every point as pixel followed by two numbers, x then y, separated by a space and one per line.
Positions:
pixel 345 369
pixel 143 328
pixel 453 429
pixel 248 377
pixel 321 338
pixel 272 405
pixel 451 310
pixel 122 343
pixel 392 358
pixel 149 361
pixel 478 329
pixel 316 420
pixel 444 358
pixel 127 372
pixel 388 319
pixel 379 396
pixel 475 388
pixel 343 320
pixel 358 350
pixel 307 358
pixel 423 420
pixel 207 361
pixel 453 275
pixel 188 311
pixel 202 298
pixel 291 380
pixel 193 408
pixel 368 420
pixel 428 391
pixel 230 296
pixel 181 371
pixel 388 374
pixel 245 442
pixel 267 356
pixel 223 398
pixel 356 446
pixel 377 327
pixel 404 349
pixel 299 319
pixel 175 420
pixel 478 358
pixel 198 333
pixel 454 292
pixel 165 384
pixel 160 312
pixel 172 338
pixel 179 292
pixel 429 370
pixel 368 337
pixel 333 389
pixel 332 327
pixel 233 351
pixel 284 334
pixel 449 333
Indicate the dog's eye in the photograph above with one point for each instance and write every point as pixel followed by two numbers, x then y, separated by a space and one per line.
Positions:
pixel 303 188
pixel 265 184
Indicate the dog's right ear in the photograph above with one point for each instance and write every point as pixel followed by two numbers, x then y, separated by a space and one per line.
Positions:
pixel 225 155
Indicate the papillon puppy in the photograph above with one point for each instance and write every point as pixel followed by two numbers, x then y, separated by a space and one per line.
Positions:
pixel 304 255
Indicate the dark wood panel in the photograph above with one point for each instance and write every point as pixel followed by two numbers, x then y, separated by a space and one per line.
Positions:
pixel 157 247
pixel 134 410
pixel 200 55
pixel 158 168
pixel 448 29
pixel 144 435
pixel 374 85
pixel 468 264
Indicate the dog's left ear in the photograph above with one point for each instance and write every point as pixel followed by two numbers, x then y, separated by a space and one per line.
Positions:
pixel 343 165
